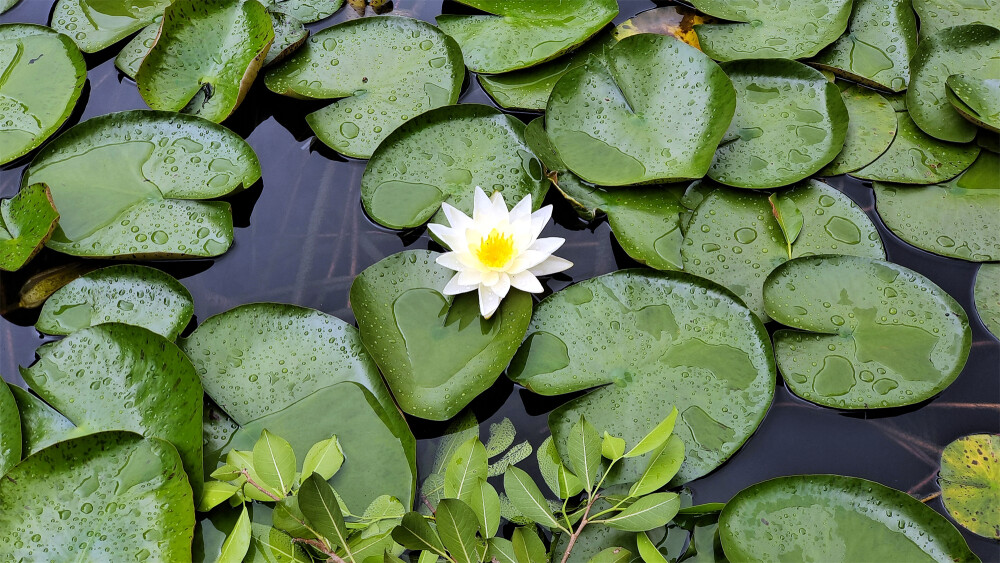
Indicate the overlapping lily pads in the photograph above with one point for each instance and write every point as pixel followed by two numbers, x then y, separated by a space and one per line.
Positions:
pixel 26 223
pixel 289 35
pixel 976 99
pixel 386 70
pixel 870 334
pixel 936 15
pixel 41 425
pixel 130 57
pixel 870 130
pixel 836 519
pixel 514 34
pixel 970 482
pixel 96 24
pixel 10 430
pixel 128 184
pixel 987 296
pixel 30 55
pixel 306 11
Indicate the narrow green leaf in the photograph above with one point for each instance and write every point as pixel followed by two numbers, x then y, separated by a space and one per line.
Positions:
pixel 663 465
pixel 585 452
pixel 465 468
pixel 527 498
pixel 457 525
pixel 647 550
pixel 612 447
pixel 789 218
pixel 226 473
pixel 324 458
pixel 274 545
pixel 427 557
pixel 274 461
pixel 414 533
pixel 647 513
pixel 548 464
pixel 486 503
pixel 612 555
pixel 237 542
pixel 528 547
pixel 372 546
pixel 385 507
pixel 499 550
pixel 707 508
pixel 287 517
pixel 656 437
pixel 214 493
pixel 569 484
pixel 320 507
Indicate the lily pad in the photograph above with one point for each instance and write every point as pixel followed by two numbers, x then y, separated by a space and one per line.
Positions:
pixel 386 70
pixel 870 130
pixel 289 35
pixel 878 45
pixel 10 430
pixel 515 34
pixel 438 156
pixel 987 295
pixel 306 11
pixel 30 55
pixel 96 24
pixel 131 56
pixel 206 56
pixel 936 15
pixel 633 328
pixel 128 183
pixel 616 123
pixel 83 484
pixel 976 99
pixel 790 122
pixel 26 223
pixel 41 425
pixel 7 4
pixel 970 482
pixel 134 295
pixel 436 352
pixel 835 518
pixel 969 49
pixel 771 29
pixel 871 334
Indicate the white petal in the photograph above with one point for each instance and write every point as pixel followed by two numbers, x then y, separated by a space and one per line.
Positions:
pixel 548 245
pixel 527 260
pixel 451 260
pixel 470 277
pixel 458 220
pixel 454 287
pixel 522 210
pixel 489 278
pixel 552 265
pixel 499 205
pixel 526 281
pixel 502 286
pixel 449 237
pixel 539 219
pixel 488 302
pixel 481 206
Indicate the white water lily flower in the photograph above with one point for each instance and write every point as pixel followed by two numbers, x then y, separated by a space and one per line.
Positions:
pixel 497 249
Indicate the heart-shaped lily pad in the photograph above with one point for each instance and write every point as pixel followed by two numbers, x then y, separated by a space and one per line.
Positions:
pixel 130 57
pixel 121 377
pixel 976 99
pixel 436 352
pixel 442 155
pixel 635 329
pixel 870 130
pixel 96 24
pixel 386 69
pixel 970 49
pixel 306 11
pixel 936 15
pixel 734 239
pixel 616 123
pixel 970 482
pixel 987 295
pixel 10 430
pixel 41 425
pixel 129 294
pixel 871 334
pixel 877 47
pixel 30 55
pixel 956 219
pixel 206 56
pixel 771 29
pixel 514 34
pixel 103 497
pixel 26 223
pixel 835 519
pixel 127 184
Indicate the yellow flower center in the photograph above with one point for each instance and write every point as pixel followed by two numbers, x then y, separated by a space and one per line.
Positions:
pixel 495 250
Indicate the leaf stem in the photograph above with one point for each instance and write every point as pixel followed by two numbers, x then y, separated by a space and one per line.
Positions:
pixel 583 524
pixel 331 556
pixel 260 488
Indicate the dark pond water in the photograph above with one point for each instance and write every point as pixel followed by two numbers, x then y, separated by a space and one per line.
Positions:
pixel 302 237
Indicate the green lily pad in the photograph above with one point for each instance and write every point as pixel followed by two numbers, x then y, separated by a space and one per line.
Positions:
pixel 878 45
pixel 7 4
pixel 289 35
pixel 771 29
pixel 66 502
pixel 206 56
pixel 790 122
pixel 976 99
pixel 969 49
pixel 436 352
pixel 957 218
pixel 834 518
pixel 987 295
pixel 306 11
pixel 438 156
pixel 514 34
pixel 633 328
pixel 129 294
pixel 121 377
pixel 41 425
pixel 96 24
pixel 10 430
pixel 870 131
pixel 915 157
pixel 734 239
pixel 936 15
pixel 616 123
pixel 130 58
pixel 26 223
pixel 871 334
pixel 30 55
pixel 386 70
pixel 970 482
pixel 127 184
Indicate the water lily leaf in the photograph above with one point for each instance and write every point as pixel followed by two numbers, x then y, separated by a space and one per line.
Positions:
pixel 516 34
pixel 386 70
pixel 721 381
pixel 771 29
pixel 129 294
pixel 977 99
pixel 957 218
pixel 734 239
pixel 115 376
pixel 969 49
pixel 7 4
pixel 30 55
pixel 96 24
pixel 871 334
pixel 870 130
pixel 10 430
pixel 878 45
pixel 289 35
pixel 26 222
pixel 306 11
pixel 914 157
pixel 131 56
pixel 987 295
pixel 82 483
pixel 206 56
pixel 436 352
pixel 128 184
pixel 635 135
pixel 843 518
pixel 790 122
pixel 936 15
pixel 970 482
pixel 438 156
pixel 41 425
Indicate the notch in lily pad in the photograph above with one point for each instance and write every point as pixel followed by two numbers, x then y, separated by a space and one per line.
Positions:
pixel 977 99
pixel 26 222
pixel 96 24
